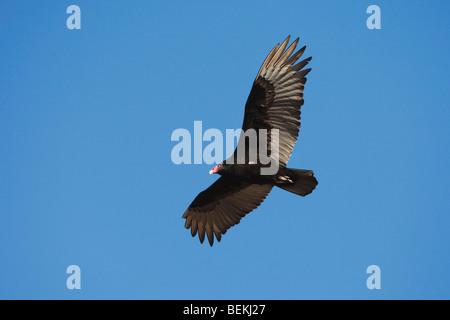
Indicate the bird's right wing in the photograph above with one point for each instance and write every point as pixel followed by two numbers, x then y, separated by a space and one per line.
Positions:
pixel 222 206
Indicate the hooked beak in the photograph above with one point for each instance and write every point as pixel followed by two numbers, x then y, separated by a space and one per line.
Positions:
pixel 215 169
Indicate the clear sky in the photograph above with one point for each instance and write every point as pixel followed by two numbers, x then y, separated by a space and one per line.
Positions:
pixel 86 176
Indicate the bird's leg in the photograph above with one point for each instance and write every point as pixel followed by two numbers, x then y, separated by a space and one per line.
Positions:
pixel 285 179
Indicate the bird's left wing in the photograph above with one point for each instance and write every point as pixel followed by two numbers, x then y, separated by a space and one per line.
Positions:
pixel 222 206
pixel 276 97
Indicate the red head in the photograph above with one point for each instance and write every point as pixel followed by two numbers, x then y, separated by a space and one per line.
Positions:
pixel 216 169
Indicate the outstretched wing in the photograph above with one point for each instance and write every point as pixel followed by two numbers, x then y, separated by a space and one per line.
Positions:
pixel 276 97
pixel 222 206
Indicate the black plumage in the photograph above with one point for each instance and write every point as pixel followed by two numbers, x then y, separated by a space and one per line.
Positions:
pixel 274 103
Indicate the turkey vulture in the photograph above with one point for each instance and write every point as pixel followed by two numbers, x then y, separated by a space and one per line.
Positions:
pixel 274 103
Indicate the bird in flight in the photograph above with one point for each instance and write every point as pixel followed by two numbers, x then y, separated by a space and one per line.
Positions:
pixel 272 112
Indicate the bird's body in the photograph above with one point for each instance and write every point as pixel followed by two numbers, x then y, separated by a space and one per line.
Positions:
pixel 272 112
pixel 252 174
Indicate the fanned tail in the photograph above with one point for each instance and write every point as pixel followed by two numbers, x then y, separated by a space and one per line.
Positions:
pixel 298 181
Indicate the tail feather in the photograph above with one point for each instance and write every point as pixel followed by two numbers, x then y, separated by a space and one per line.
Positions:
pixel 298 181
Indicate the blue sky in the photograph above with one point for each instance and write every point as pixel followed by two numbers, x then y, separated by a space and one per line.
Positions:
pixel 86 176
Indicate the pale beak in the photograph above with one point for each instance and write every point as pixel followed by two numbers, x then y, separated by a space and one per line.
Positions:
pixel 211 171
